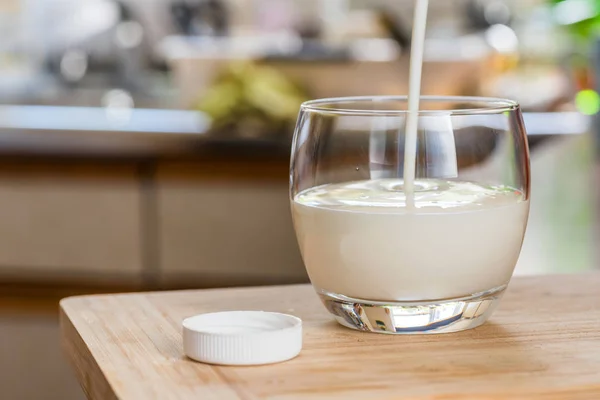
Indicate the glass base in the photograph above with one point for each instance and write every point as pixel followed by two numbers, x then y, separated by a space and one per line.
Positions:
pixel 436 316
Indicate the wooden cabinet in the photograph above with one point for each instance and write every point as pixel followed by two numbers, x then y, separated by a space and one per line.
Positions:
pixel 159 225
pixel 219 225
pixel 70 221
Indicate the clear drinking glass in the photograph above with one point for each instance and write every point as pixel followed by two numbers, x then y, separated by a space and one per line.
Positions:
pixel 385 259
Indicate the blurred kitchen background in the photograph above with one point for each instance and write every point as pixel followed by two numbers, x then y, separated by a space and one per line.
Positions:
pixel 144 144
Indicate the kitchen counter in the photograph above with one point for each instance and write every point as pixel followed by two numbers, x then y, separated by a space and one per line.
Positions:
pixel 82 132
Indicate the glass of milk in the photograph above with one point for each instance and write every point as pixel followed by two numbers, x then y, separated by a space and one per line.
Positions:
pixel 428 249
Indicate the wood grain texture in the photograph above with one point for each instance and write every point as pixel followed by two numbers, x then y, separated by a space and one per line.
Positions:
pixel 542 343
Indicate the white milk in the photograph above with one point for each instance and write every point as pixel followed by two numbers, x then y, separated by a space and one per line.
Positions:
pixel 414 94
pixel 360 239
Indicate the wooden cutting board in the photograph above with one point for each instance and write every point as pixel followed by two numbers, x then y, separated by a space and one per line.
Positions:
pixel 542 343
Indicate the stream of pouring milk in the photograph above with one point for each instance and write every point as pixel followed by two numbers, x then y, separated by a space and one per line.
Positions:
pixel 410 239
pixel 414 94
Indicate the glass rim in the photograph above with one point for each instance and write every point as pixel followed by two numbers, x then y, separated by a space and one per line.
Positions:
pixel 335 105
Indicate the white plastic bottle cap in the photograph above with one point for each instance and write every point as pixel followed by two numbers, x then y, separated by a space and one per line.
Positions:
pixel 242 337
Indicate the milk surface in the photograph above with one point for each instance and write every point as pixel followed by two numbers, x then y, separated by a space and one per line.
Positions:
pixel 362 240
